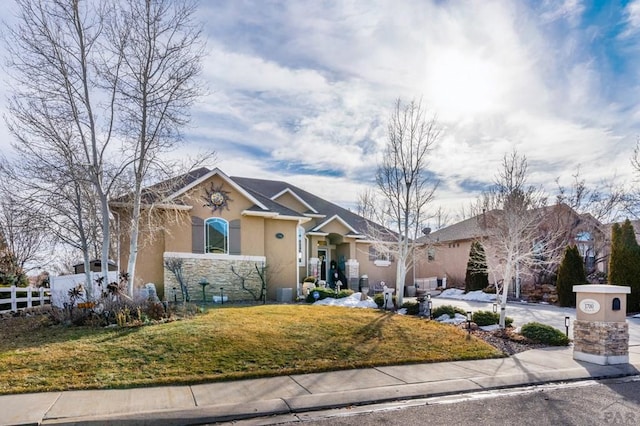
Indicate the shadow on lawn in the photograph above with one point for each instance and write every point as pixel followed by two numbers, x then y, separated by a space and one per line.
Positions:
pixel 30 332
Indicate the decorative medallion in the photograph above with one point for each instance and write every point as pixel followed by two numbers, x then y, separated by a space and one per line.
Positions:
pixel 217 198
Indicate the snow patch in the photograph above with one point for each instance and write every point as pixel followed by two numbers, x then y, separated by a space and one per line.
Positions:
pixel 457 319
pixel 352 301
pixel 478 295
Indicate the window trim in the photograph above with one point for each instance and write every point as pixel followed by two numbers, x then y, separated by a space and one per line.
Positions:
pixel 302 247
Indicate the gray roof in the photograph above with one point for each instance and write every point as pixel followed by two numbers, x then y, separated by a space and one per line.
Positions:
pixel 262 191
pixel 156 192
pixel 270 188
pixel 476 226
pixel 465 230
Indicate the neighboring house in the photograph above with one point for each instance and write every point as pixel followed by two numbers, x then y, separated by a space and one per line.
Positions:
pixel 213 222
pixel 449 248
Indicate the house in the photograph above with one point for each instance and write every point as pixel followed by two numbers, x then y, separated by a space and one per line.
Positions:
pixel 95 265
pixel 231 230
pixel 449 248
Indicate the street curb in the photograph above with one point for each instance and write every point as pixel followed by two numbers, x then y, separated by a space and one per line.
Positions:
pixel 323 401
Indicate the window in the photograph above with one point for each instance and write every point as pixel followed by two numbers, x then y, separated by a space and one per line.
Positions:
pixel 585 243
pixel 216 236
pixel 380 258
pixel 302 247
pixel 431 254
pixel 539 248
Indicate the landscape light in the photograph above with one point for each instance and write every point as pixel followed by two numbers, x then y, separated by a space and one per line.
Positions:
pixel 566 325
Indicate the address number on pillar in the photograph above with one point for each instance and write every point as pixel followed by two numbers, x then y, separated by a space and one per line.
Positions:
pixel 589 306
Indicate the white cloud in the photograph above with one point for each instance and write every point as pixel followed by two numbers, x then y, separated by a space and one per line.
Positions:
pixel 632 15
pixel 303 86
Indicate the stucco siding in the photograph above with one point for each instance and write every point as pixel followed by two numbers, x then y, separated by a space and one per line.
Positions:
pixel 281 255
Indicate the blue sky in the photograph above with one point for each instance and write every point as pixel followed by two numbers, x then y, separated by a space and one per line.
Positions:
pixel 301 90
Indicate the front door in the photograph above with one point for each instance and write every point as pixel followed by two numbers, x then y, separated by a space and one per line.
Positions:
pixel 323 256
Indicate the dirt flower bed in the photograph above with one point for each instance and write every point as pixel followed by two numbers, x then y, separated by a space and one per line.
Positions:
pixel 505 340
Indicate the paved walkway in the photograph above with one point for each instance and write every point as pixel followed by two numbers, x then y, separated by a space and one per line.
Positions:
pixel 523 313
pixel 208 403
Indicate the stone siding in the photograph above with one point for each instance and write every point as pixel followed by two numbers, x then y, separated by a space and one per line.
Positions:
pixel 601 338
pixel 217 271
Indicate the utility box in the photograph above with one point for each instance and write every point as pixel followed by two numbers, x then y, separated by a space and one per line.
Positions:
pixel 363 282
pixel 284 295
pixel 600 331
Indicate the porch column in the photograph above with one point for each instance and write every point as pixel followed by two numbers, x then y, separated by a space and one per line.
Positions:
pixel 352 272
pixel 314 267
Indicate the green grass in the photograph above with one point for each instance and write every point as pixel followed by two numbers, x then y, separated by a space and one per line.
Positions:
pixel 222 344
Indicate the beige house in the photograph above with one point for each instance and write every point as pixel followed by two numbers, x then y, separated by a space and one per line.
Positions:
pixel 231 230
pixel 449 247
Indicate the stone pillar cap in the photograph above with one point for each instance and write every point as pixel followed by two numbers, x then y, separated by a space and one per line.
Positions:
pixel 601 288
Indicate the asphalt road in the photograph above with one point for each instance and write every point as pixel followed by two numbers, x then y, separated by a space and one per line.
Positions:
pixel 523 313
pixel 580 403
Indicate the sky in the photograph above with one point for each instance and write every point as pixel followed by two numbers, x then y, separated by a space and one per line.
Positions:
pixel 302 91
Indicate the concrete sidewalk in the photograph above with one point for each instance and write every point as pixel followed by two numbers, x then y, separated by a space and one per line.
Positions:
pixel 225 401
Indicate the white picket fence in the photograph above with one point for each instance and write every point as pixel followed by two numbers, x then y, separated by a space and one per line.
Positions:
pixel 40 299
pixel 61 285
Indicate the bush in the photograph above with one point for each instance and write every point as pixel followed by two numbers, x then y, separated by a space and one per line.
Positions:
pixel 476 277
pixel 327 292
pixel 413 308
pixel 447 309
pixel 344 293
pixel 379 299
pixel 543 333
pixel 483 318
pixel 570 273
pixel 154 310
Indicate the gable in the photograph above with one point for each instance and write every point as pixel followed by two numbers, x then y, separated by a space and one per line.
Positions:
pixel 218 177
pixel 199 197
pixel 335 225
pixel 291 200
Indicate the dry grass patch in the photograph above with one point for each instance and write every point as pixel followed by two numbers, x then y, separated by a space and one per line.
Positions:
pixel 223 344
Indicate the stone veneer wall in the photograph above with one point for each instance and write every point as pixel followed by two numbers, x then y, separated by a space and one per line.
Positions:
pixel 216 268
pixel 604 339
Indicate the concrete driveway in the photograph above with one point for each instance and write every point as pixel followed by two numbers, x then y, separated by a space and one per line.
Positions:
pixel 523 313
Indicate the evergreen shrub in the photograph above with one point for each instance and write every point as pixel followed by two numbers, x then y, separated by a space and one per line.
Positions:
pixel 542 333
pixel 447 309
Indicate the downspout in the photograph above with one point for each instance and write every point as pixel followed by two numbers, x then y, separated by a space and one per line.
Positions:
pixel 117 215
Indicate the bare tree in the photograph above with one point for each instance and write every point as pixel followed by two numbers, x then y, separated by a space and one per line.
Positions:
pixel 603 201
pixel 59 199
pixel 441 218
pixel 632 199
pixel 157 82
pixel 55 54
pixel 367 205
pixel 90 75
pixel 513 218
pixel 405 184
pixel 23 231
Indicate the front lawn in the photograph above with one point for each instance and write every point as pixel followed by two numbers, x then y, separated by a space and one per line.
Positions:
pixel 223 344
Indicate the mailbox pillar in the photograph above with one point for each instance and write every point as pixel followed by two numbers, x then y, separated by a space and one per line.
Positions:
pixel 600 331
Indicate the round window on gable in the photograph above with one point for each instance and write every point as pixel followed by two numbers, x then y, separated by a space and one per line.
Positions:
pixel 279 235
